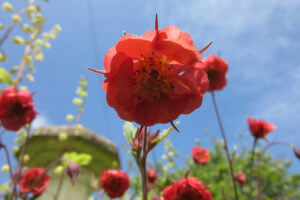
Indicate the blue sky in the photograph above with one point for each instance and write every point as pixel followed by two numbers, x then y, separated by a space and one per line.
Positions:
pixel 259 39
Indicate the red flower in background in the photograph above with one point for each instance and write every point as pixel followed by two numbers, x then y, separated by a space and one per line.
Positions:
pixel 155 77
pixel 114 182
pixel 16 108
pixel 240 177
pixel 151 174
pixel 34 181
pixel 297 153
pixel 259 128
pixel 200 155
pixel 187 189
pixel 216 69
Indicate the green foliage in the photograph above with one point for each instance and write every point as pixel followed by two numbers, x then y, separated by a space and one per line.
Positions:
pixel 5 76
pixel 277 183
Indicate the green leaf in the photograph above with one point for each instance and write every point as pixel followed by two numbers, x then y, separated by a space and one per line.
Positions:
pixel 79 158
pixel 164 133
pixel 129 131
pixel 4 187
pixel 5 76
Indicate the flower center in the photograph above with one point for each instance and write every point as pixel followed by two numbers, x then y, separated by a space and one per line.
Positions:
pixel 152 79
pixel 211 73
pixel 16 110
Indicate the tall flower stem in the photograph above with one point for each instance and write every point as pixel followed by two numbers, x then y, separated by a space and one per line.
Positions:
pixel 230 163
pixel 251 168
pixel 144 165
pixel 259 164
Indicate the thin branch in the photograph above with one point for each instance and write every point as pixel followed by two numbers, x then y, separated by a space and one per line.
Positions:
pixel 225 145
pixel 251 167
pixel 259 164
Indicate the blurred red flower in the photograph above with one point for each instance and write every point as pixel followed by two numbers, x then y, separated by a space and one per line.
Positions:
pixel 34 181
pixel 155 77
pixel 16 108
pixel 259 128
pixel 114 182
pixel 187 189
pixel 297 153
pixel 151 174
pixel 216 69
pixel 200 155
pixel 240 177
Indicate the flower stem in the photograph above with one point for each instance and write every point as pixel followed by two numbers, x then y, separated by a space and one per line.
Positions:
pixel 259 164
pixel 230 163
pixel 251 168
pixel 144 165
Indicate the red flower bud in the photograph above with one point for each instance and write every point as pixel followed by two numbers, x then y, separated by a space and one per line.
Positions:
pixel 200 155
pixel 297 153
pixel 240 177
pixel 151 174
pixel 73 170
pixel 114 182
pixel 34 181
pixel 216 69
pixel 187 189
pixel 16 108
pixel 259 128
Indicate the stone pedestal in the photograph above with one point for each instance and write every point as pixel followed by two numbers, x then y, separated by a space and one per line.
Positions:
pixel 44 147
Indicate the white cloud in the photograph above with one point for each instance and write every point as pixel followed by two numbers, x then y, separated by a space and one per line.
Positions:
pixel 39 121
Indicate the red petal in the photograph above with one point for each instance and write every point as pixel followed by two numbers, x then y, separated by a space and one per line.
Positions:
pixel 135 46
pixel 173 32
pixel 177 51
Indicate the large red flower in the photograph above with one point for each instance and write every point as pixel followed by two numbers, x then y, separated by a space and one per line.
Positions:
pixel 34 181
pixel 155 77
pixel 260 128
pixel 114 182
pixel 187 189
pixel 16 108
pixel 200 155
pixel 216 69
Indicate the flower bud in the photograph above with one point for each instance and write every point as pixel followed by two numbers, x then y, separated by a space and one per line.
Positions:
pixel 26 28
pixel 78 101
pixel 73 170
pixel 58 169
pixel 18 40
pixel 3 57
pixel 297 153
pixel 63 136
pixel 151 175
pixel 7 6
pixel 31 8
pixel 1 26
pixel 70 118
pixel 240 177
pixel 30 78
pixel 39 57
pixel 16 18
pixel 15 149
pixel 58 28
pixel 5 168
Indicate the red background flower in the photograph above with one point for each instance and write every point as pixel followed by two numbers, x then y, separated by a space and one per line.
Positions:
pixel 240 177
pixel 200 155
pixel 259 128
pixel 114 182
pixel 16 108
pixel 216 69
pixel 34 181
pixel 187 189
pixel 155 77
pixel 151 174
